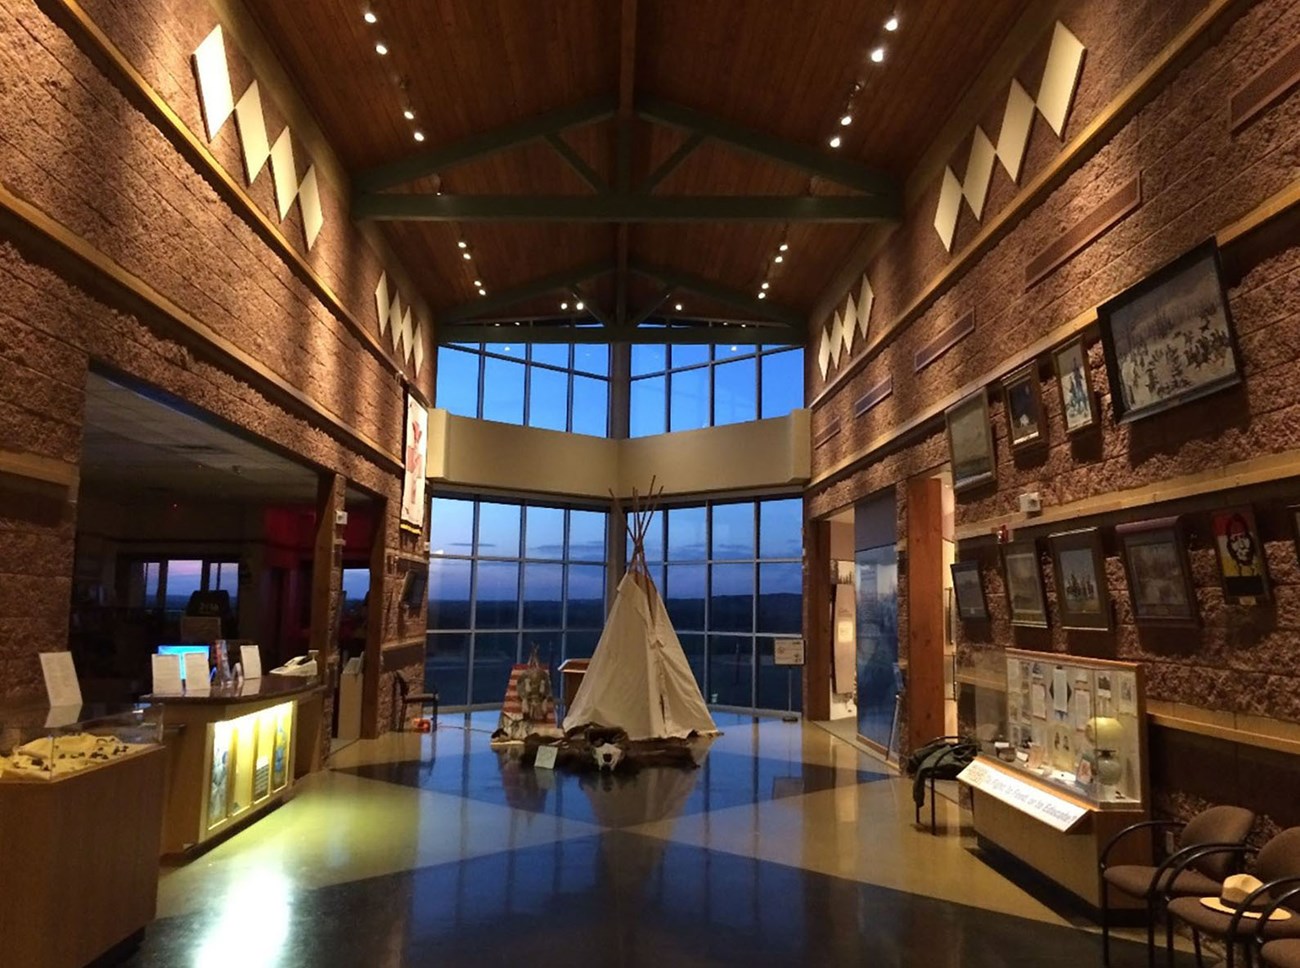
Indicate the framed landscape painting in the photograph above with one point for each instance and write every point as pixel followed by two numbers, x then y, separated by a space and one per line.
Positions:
pixel 1024 584
pixel 969 591
pixel 970 442
pixel 1159 580
pixel 1078 401
pixel 1082 596
pixel 1169 339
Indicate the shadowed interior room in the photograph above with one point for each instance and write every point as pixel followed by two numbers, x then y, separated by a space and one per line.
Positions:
pixel 650 482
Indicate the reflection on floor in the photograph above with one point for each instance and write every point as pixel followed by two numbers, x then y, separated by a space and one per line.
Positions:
pixel 787 847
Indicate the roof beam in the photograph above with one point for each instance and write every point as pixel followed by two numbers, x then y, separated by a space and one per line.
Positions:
pixel 809 160
pixel 671 163
pixel 751 306
pixel 574 161
pixel 623 150
pixel 503 299
pixel 747 334
pixel 421 207
pixel 481 145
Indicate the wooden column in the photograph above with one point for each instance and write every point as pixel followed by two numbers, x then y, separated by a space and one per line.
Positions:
pixel 326 587
pixel 924 609
pixel 376 616
pixel 817 591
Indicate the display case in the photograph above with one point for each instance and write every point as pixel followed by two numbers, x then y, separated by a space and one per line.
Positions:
pixel 1077 724
pixel 39 744
pixel 1062 767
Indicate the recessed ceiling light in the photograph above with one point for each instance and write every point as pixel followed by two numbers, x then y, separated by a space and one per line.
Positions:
pixel 466 256
pixel 891 24
pixel 767 285
pixel 762 295
pixel 783 247
pixel 779 258
pixel 462 244
pixel 477 282
pixel 370 17
pixel 578 305
pixel 564 305
pixel 418 136
pixel 381 49
pixel 835 141
pixel 878 55
pixel 678 307
pixel 482 291
pixel 846 120
pixel 408 114
pixel 735 348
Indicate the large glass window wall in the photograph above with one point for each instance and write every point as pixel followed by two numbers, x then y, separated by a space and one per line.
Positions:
pixel 731 575
pixel 504 578
pixel 552 386
pixel 693 386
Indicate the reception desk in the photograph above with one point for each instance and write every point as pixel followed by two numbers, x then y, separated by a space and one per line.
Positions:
pixel 233 753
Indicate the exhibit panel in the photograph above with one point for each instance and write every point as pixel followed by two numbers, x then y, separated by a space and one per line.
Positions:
pixel 232 754
pixel 81 801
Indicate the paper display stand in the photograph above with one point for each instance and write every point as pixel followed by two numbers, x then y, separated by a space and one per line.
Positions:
pixel 788 652
pixel 167 675
pixel 250 658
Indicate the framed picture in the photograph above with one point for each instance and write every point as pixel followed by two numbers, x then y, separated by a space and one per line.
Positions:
pixel 1169 339
pixel 1024 584
pixel 1240 554
pixel 416 452
pixel 1078 401
pixel 1026 426
pixel 970 442
pixel 1080 565
pixel 1159 580
pixel 969 591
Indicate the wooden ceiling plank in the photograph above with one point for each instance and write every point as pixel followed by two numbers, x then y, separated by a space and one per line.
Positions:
pixel 649 309
pixel 623 149
pixel 747 334
pixel 758 308
pixel 505 298
pixel 390 206
pixel 806 159
pixel 670 163
pixel 481 145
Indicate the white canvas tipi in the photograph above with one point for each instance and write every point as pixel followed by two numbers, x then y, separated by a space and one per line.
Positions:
pixel 639 679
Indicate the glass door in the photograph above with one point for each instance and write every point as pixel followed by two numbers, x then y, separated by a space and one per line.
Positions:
pixel 876 578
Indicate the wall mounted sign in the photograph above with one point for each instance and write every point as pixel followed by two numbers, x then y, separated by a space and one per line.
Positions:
pixel 416 455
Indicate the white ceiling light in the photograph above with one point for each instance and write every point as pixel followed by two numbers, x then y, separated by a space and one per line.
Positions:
pixel 381 49
pixel 835 141
pixel 767 285
pixel 846 120
pixel 408 114
pixel 482 291
pixel 418 136
pixel 762 295
pixel 370 17
pixel 477 282
pixel 891 24
pixel 679 307
pixel 783 247
pixel 564 305
pixel 578 305
pixel 466 256
pixel 779 258
pixel 462 244
pixel 878 55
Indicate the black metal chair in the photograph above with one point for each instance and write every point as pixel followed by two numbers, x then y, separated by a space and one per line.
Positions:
pixel 1188 872
pixel 403 699
pixel 1284 953
pixel 940 759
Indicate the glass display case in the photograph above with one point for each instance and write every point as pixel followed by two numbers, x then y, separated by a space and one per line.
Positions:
pixel 1077 724
pixel 39 744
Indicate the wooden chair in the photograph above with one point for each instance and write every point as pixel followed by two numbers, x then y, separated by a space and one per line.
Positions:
pixel 1277 864
pixel 403 699
pixel 1228 826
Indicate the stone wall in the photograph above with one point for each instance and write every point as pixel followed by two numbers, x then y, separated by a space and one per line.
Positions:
pixel 1198 175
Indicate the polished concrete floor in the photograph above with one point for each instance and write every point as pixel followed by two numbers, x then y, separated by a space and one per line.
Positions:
pixel 787 846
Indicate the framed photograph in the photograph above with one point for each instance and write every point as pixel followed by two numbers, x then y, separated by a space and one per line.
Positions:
pixel 1078 401
pixel 969 591
pixel 1241 556
pixel 1026 425
pixel 1024 584
pixel 970 442
pixel 416 453
pixel 1159 580
pixel 1079 561
pixel 1169 339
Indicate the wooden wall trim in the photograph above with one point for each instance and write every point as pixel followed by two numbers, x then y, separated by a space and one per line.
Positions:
pixel 1275 205
pixel 47 470
pixel 1243 728
pixel 1091 139
pixel 1118 205
pixel 1247 473
pixel 117 277
pixel 101 49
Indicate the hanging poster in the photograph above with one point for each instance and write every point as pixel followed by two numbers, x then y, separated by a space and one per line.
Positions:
pixel 416 455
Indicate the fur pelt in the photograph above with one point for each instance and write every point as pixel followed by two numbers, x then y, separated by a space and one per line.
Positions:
pixel 584 750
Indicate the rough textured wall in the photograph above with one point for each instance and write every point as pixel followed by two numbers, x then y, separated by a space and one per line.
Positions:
pixel 80 150
pixel 1197 177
